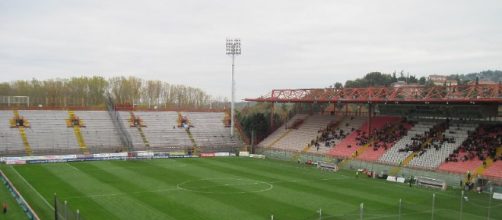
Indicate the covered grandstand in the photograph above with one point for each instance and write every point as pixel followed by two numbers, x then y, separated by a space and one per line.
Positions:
pixel 397 129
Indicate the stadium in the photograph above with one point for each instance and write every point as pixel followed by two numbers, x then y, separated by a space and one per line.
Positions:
pixel 406 152
pixel 332 110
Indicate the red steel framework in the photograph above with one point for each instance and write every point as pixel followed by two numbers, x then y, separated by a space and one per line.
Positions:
pixel 472 94
pixel 457 94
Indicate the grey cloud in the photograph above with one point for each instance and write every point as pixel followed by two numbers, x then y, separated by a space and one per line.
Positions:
pixel 286 44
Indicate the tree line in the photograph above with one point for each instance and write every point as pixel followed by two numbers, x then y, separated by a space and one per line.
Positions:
pixel 91 91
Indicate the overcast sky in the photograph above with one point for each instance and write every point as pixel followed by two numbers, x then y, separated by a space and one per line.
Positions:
pixel 285 43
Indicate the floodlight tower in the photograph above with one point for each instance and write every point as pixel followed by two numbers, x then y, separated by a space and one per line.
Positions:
pixel 233 48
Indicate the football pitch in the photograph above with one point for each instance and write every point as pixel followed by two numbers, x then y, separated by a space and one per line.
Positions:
pixel 233 188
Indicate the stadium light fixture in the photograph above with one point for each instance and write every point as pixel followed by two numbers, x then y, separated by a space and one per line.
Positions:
pixel 233 48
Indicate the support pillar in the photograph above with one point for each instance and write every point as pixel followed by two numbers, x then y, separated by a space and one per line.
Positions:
pixel 370 114
pixel 272 116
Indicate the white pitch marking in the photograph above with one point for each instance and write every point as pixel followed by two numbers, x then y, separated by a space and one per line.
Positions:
pixel 33 188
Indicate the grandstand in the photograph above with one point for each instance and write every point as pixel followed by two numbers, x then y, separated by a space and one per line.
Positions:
pixel 437 121
pixel 51 132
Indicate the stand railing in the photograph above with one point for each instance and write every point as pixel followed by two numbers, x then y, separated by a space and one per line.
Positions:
pixel 125 137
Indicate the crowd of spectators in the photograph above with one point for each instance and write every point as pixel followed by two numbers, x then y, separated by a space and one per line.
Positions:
pixel 331 134
pixel 481 144
pixel 434 138
pixel 383 137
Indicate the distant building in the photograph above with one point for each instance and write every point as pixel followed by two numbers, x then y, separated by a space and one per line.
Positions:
pixel 485 82
pixel 404 84
pixel 440 80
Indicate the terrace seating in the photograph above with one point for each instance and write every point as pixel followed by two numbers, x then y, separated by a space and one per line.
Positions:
pixel 49 132
pixel 358 137
pixel 161 130
pixel 208 129
pixel 495 170
pixel 307 133
pixel 385 139
pixel 10 139
pixel 99 133
pixel 461 166
pixel 135 135
pixel 478 147
pixel 439 150
pixel 335 132
pixel 281 131
pixel 398 152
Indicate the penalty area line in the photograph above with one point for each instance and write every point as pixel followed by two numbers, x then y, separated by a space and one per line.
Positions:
pixel 32 188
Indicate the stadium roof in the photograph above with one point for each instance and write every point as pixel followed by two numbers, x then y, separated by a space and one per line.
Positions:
pixel 455 94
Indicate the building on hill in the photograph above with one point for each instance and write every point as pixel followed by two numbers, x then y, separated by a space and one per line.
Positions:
pixel 440 80
pixel 404 84
pixel 484 82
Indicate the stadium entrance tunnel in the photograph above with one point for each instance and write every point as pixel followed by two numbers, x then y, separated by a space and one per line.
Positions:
pixel 225 186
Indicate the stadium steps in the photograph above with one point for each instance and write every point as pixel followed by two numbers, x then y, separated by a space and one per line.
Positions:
pixel 141 132
pixel 405 162
pixel 354 155
pixel 489 162
pixel 22 132
pixel 361 149
pixel 79 136
pixel 190 136
pixel 26 144
pixel 143 137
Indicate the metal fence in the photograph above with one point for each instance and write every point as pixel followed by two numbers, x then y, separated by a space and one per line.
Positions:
pixel 63 211
pixel 437 206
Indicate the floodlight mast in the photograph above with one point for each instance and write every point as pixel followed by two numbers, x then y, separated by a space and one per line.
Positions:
pixel 233 48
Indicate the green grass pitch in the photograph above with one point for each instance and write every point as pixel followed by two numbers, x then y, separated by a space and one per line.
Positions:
pixel 231 188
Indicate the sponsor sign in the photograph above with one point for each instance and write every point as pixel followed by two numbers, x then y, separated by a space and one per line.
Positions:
pixel 145 154
pixel 177 153
pixel 101 155
pixel 207 155
pixel 259 156
pixel 221 154
pixel 400 180
pixel 12 162
pixel 391 178
pixel 497 196
pixel 243 154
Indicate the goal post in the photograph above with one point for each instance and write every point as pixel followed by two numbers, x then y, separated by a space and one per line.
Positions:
pixel 14 100
pixel 327 166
